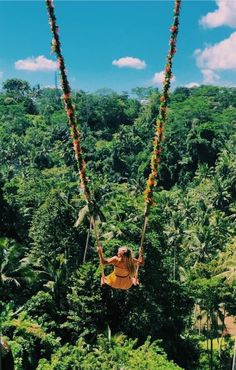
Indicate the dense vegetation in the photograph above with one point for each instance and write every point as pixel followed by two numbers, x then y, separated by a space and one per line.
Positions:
pixel 53 311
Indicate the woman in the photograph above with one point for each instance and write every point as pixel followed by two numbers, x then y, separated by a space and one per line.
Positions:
pixel 125 267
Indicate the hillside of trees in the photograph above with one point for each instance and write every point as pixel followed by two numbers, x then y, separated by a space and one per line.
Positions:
pixel 53 312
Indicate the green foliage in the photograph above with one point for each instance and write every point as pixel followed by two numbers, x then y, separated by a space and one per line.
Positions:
pixel 30 342
pixel 118 353
pixel 222 355
pixel 42 308
pixel 19 91
pixel 15 277
pixel 86 312
pixel 17 86
pixel 49 101
pixel 190 249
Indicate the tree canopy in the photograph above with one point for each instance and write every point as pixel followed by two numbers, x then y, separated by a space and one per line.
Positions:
pixel 53 312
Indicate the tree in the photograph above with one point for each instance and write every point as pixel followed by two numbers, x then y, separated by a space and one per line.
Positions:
pixel 143 93
pixel 20 91
pixel 211 295
pixel 228 267
pixel 116 352
pixel 13 273
pixel 16 87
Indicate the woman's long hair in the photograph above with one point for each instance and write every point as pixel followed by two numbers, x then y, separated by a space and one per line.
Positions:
pixel 129 261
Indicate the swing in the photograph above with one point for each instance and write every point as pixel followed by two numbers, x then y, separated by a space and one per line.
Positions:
pixel 158 138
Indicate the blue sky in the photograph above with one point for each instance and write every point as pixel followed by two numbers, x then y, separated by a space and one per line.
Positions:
pixel 95 34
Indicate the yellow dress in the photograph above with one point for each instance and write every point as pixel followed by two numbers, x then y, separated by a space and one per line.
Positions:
pixel 119 279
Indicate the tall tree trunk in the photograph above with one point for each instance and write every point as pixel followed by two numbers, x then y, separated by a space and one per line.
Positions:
pixel 222 335
pixel 211 357
pixel 174 264
pixel 234 358
pixel 208 354
pixel 211 342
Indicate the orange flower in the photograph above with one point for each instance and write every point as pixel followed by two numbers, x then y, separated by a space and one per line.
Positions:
pixel 76 146
pixel 67 96
pixel 167 69
pixel 173 28
pixel 151 182
pixel 69 112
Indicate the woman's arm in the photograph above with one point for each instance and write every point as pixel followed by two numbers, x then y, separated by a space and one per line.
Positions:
pixel 106 261
pixel 112 260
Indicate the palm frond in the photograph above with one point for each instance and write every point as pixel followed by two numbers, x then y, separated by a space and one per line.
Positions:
pixel 82 214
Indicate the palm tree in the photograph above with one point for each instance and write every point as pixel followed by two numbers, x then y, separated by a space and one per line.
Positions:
pixel 173 232
pixel 229 264
pixel 210 314
pixel 56 275
pixel 12 271
pixel 52 274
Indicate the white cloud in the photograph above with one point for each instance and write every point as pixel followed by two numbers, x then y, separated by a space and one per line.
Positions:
pixel 129 62
pixel 221 56
pixel 158 78
pixel 39 63
pixel 192 84
pixel 214 59
pixel 225 15
pixel 210 77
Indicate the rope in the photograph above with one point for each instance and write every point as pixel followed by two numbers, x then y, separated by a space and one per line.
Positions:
pixel 160 122
pixel 69 108
pixel 87 241
pixel 70 111
pixel 141 249
pixel 92 220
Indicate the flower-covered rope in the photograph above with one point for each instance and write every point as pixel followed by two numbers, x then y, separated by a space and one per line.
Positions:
pixel 160 123
pixel 161 119
pixel 69 108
